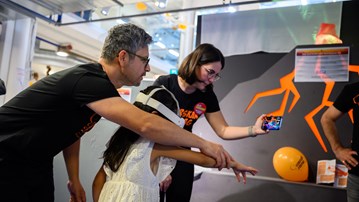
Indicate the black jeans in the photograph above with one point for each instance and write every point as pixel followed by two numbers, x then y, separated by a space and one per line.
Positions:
pixel 180 189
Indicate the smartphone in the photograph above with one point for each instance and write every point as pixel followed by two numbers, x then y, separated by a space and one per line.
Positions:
pixel 272 123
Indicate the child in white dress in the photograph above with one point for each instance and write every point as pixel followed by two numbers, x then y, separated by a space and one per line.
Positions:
pixel 134 166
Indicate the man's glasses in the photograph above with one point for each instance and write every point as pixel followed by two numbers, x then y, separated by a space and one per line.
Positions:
pixel 145 60
pixel 212 74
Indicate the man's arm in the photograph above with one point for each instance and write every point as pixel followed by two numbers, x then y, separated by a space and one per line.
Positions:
pixel 328 121
pixel 71 156
pixel 156 128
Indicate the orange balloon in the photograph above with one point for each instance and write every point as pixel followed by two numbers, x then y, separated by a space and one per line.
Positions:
pixel 290 164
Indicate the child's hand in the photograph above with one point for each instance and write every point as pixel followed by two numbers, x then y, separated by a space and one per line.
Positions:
pixel 165 183
pixel 239 169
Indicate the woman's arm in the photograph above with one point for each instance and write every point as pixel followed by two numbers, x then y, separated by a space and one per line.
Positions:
pixel 98 183
pixel 226 132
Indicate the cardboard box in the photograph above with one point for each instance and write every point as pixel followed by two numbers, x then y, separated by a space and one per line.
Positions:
pixel 326 171
pixel 341 176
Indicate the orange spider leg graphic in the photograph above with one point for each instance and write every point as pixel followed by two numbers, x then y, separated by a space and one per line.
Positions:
pixel 309 117
pixel 287 86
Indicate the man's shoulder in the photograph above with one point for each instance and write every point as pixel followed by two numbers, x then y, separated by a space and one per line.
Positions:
pixel 82 69
pixel 96 66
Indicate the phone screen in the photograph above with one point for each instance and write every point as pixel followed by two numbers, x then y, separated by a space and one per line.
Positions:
pixel 272 123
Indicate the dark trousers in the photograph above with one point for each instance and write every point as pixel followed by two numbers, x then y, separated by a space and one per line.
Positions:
pixel 19 184
pixel 180 189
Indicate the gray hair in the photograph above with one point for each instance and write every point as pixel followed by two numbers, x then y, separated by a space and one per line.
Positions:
pixel 124 37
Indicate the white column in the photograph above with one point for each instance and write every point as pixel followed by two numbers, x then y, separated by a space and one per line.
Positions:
pixel 18 47
pixel 188 35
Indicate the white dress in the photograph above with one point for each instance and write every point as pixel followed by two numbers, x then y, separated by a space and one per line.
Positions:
pixel 134 180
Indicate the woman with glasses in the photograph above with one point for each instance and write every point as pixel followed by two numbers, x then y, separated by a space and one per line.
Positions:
pixel 193 88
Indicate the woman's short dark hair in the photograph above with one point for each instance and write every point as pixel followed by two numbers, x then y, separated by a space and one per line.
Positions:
pixel 203 54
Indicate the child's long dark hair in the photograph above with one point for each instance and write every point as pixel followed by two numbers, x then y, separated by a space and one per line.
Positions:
pixel 123 138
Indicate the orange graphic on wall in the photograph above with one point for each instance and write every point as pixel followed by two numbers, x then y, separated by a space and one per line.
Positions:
pixel 287 86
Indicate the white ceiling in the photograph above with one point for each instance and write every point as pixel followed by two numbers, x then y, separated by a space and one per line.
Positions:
pixel 86 38
pixel 86 35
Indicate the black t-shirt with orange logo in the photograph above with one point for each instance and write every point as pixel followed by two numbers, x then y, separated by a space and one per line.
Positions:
pixel 192 105
pixel 50 115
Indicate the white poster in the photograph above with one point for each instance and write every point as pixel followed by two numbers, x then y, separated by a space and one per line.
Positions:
pixel 322 64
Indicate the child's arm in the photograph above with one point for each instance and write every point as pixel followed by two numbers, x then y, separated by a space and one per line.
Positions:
pixel 199 158
pixel 239 169
pixel 98 183
pixel 182 154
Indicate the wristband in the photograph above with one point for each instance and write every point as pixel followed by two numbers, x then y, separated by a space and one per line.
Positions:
pixel 251 132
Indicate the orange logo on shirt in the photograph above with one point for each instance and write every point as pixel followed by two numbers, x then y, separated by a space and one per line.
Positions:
pixel 86 127
pixel 189 116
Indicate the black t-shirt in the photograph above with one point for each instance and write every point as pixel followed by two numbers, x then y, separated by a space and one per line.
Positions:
pixel 192 105
pixel 347 100
pixel 52 114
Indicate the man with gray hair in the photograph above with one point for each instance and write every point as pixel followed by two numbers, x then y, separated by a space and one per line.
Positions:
pixel 51 116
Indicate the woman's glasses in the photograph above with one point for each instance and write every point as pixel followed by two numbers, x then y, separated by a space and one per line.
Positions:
pixel 212 74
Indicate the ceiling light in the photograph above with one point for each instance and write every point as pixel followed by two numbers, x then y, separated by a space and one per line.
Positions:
pixel 231 9
pixel 304 2
pixel 63 50
pixel 160 44
pixel 120 21
pixel 62 53
pixel 105 11
pixel 173 52
pixel 161 3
